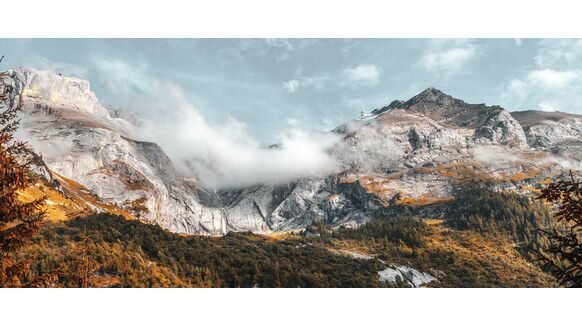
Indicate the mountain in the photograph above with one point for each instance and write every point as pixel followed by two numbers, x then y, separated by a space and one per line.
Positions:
pixel 83 142
pixel 410 156
pixel 556 132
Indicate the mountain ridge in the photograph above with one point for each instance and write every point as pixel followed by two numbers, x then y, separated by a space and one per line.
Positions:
pixel 413 154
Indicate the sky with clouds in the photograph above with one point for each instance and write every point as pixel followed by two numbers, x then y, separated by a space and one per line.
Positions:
pixel 270 85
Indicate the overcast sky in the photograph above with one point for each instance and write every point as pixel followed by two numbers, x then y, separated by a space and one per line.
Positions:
pixel 274 84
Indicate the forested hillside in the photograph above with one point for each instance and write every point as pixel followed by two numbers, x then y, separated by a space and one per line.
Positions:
pixel 485 245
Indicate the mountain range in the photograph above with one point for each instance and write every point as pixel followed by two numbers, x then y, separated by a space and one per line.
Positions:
pixel 411 156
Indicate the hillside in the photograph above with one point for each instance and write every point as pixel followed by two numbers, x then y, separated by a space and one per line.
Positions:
pixel 390 251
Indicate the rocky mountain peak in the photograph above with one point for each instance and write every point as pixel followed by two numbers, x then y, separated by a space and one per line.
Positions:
pixel 57 91
pixel 431 95
pixel 431 99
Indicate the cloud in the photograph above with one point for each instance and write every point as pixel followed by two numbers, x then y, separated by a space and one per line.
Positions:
pixel 226 155
pixel 223 154
pixel 447 57
pixel 291 86
pixel 493 154
pixel 280 43
pixel 67 69
pixel 51 150
pixel 555 82
pixel 313 82
pixel 279 49
pixel 549 78
pixel 545 80
pixel 361 76
pixel 548 107
pixel 120 77
pixel 354 77
pixel 552 90
pixel 291 121
pixel 497 155
pixel 565 162
pixel 559 53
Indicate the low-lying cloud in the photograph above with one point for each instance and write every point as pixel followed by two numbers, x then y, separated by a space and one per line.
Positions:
pixel 51 150
pixel 226 154
pixel 498 155
pixel 494 154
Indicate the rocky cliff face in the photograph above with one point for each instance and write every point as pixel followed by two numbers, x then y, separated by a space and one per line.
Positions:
pixel 555 132
pixel 408 155
pixel 82 141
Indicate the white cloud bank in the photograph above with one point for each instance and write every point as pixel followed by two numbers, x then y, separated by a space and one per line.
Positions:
pixel 543 81
pixel 219 155
pixel 226 155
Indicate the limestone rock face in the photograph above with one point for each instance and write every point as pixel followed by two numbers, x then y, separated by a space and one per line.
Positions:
pixel 502 128
pixel 555 132
pixel 413 153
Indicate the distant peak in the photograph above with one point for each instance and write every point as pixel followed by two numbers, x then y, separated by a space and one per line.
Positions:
pixel 392 105
pixel 432 90
pixel 431 95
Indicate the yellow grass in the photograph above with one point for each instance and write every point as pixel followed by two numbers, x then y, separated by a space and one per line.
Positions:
pixel 494 261
pixel 58 207
pixel 531 189
pixel 423 200
pixel 74 201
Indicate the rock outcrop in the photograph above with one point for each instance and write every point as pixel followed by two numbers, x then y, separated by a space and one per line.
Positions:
pixel 406 275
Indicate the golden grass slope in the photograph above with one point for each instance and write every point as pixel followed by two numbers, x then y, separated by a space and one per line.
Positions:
pixel 73 201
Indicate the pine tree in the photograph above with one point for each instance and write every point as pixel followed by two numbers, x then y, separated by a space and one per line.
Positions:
pixel 19 222
pixel 564 253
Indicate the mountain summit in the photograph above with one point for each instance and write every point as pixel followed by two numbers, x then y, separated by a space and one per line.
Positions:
pixel 438 105
pixel 432 96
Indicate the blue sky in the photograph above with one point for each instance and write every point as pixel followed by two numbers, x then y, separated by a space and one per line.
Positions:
pixel 273 84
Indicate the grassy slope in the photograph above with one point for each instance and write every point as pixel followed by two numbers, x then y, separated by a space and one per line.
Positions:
pixel 73 201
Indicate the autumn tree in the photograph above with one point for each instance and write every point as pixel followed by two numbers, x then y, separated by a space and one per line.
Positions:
pixel 564 253
pixel 19 221
pixel 80 270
